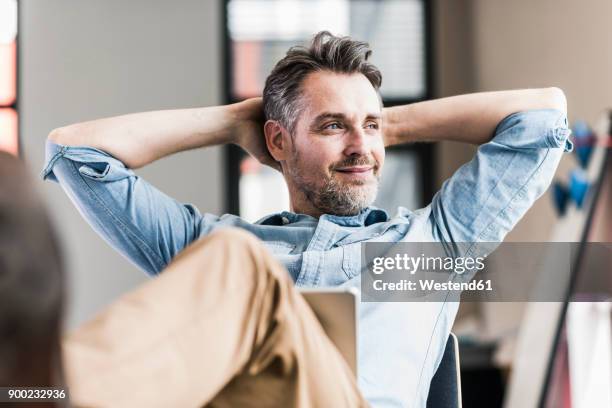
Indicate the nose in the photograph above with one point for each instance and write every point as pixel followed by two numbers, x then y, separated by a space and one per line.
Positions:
pixel 357 143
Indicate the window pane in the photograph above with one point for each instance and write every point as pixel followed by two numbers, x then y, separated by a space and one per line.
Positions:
pixel 8 131
pixel 395 30
pixel 261 31
pixel 8 76
pixel 8 47
pixel 286 20
pixel 8 21
pixel 262 190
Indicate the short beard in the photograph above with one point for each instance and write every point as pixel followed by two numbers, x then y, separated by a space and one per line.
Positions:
pixel 344 199
pixel 334 197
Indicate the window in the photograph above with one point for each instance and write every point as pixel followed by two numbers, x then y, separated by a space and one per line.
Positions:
pixel 9 140
pixel 258 34
pixel 261 31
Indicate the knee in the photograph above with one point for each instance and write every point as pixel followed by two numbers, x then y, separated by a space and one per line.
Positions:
pixel 239 247
pixel 228 245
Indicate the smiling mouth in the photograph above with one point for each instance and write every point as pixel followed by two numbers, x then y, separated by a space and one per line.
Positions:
pixel 355 169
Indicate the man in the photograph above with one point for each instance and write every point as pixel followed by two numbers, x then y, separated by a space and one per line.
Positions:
pixel 31 285
pixel 326 131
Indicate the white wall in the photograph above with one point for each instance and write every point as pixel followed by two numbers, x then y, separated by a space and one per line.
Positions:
pixel 564 43
pixel 88 59
pixel 486 45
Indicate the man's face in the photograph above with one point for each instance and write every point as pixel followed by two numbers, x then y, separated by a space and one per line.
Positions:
pixel 337 149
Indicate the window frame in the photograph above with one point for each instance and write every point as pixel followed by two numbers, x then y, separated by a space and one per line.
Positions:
pixel 234 154
pixel 16 102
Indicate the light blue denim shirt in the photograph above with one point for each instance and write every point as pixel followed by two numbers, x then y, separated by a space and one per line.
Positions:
pixel 400 344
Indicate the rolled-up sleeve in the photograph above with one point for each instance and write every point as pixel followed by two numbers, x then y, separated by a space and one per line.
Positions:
pixel 142 223
pixel 486 197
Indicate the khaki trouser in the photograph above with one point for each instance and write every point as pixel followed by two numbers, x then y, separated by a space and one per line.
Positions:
pixel 222 326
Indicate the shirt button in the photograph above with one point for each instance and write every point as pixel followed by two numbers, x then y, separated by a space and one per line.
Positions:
pixel 285 220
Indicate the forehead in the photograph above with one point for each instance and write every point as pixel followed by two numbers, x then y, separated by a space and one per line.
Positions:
pixel 350 94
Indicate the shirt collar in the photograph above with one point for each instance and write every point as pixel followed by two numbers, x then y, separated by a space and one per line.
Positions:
pixel 367 216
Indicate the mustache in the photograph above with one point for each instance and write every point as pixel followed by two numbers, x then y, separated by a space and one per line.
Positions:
pixel 357 161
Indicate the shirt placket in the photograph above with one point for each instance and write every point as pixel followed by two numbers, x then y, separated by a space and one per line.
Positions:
pixel 312 258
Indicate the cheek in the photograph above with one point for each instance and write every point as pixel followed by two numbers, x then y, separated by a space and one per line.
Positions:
pixel 378 152
pixel 381 160
pixel 311 164
pixel 317 159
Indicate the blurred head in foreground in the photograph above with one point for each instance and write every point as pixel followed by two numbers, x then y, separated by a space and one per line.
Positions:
pixel 31 283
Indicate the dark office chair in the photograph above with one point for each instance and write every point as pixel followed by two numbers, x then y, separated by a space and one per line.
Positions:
pixel 445 388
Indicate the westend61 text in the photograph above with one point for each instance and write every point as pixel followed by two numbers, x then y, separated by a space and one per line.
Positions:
pixel 429 285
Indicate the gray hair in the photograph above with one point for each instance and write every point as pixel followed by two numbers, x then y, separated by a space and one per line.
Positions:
pixel 281 95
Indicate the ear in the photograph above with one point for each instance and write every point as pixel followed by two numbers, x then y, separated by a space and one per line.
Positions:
pixel 277 140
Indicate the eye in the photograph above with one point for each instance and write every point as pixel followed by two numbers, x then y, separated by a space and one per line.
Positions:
pixel 332 126
pixel 372 125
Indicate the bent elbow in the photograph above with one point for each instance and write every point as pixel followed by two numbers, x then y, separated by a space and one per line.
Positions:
pixel 556 99
pixel 66 135
pixel 57 135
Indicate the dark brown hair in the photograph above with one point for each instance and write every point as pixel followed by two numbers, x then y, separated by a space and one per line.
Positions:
pixel 31 283
pixel 281 96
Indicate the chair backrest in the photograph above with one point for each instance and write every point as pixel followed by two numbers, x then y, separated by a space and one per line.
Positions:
pixel 445 388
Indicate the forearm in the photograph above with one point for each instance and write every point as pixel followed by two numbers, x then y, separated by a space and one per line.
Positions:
pixel 140 138
pixel 470 118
